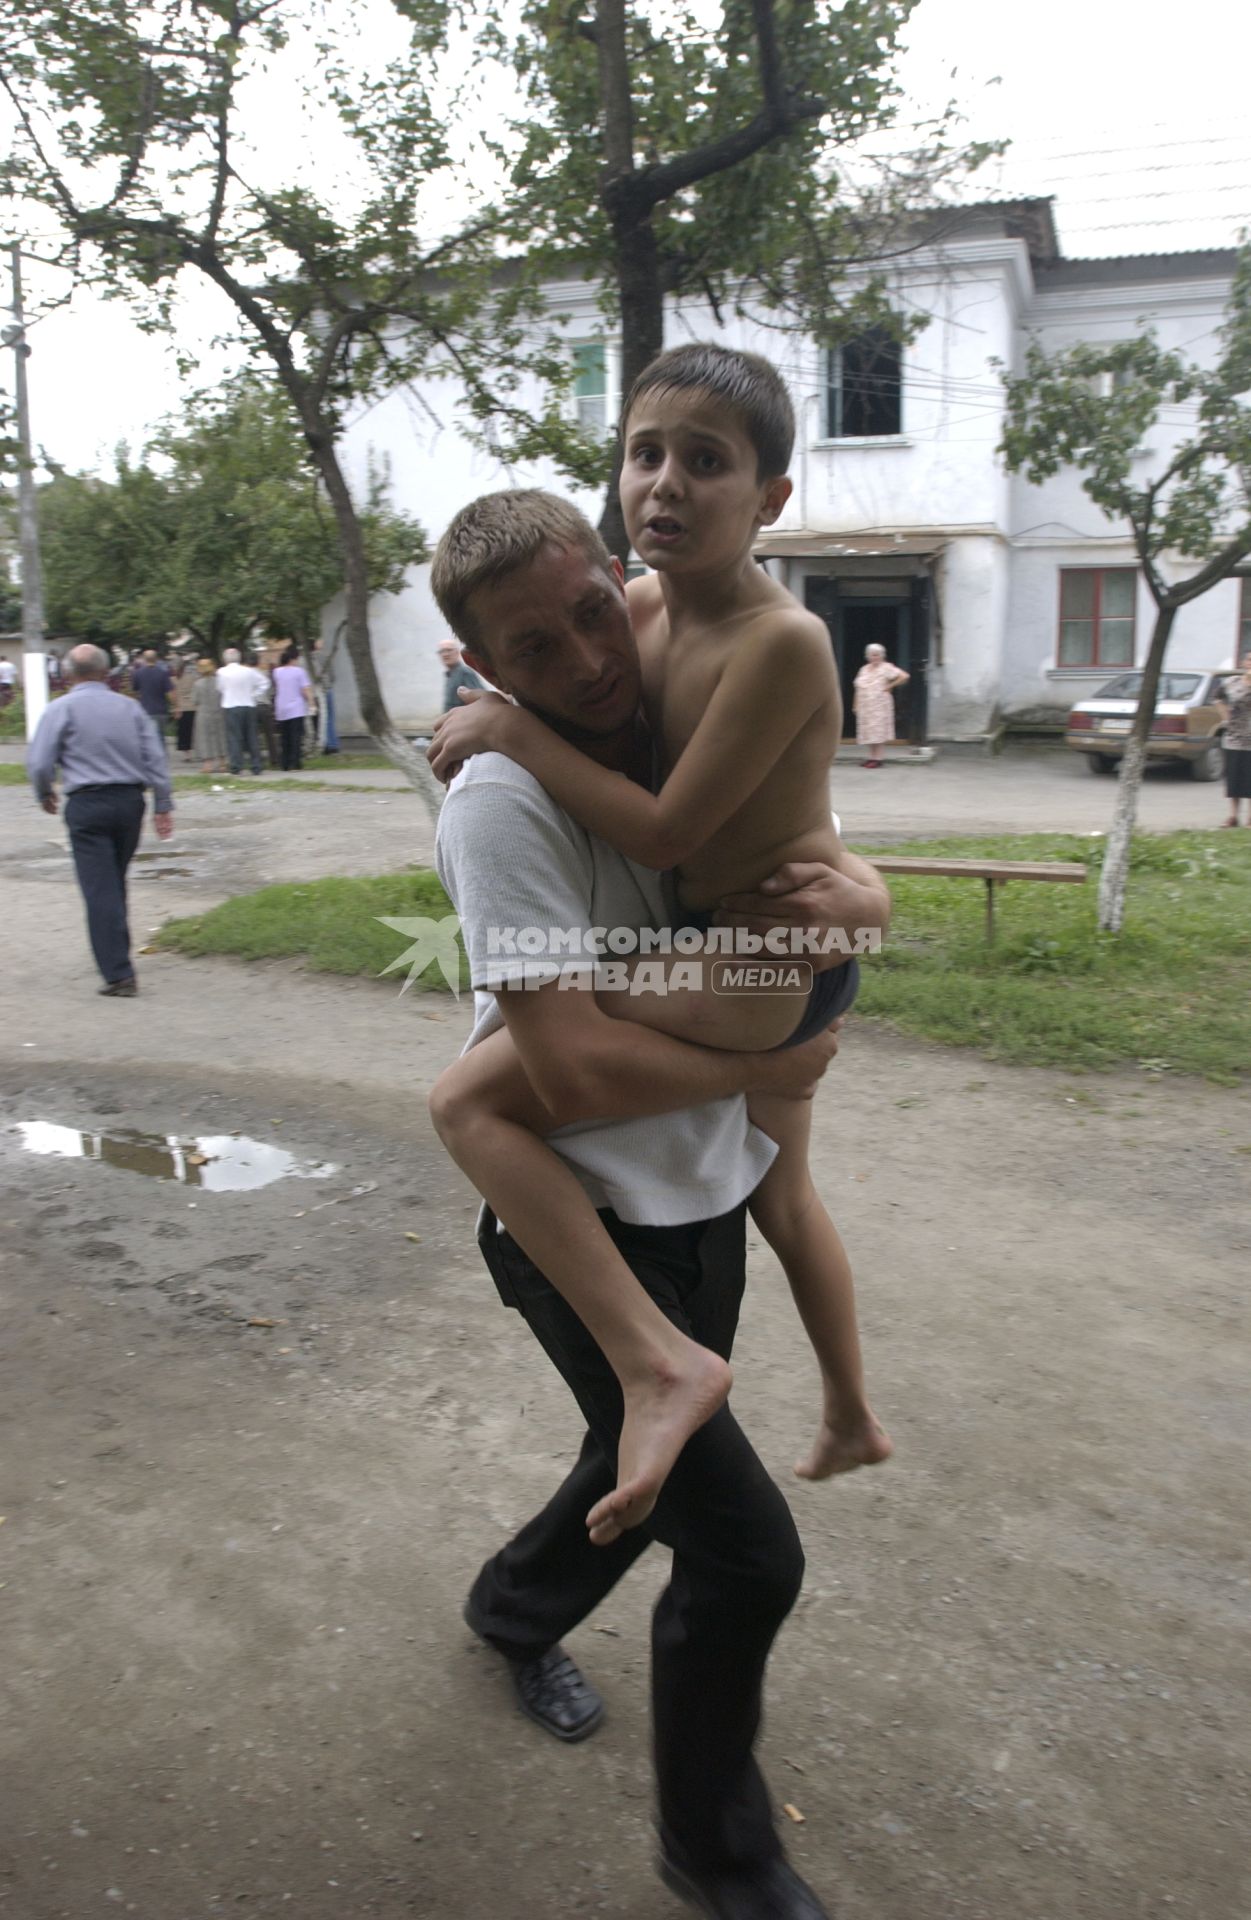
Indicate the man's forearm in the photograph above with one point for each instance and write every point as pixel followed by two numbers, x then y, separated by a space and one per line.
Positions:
pixel 626 1072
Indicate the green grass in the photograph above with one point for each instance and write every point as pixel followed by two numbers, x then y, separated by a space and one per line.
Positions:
pixel 332 923
pixel 13 719
pixel 10 775
pixel 1170 994
pixel 351 762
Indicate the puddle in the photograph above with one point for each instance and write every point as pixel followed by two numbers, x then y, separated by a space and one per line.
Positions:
pixel 219 1162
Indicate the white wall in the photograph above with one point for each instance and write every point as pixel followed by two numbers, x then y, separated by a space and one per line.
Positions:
pixel 1205 632
pixel 972 585
pixel 942 470
pixel 414 434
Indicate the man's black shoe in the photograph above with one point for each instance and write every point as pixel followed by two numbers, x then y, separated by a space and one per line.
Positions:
pixel 120 989
pixel 551 1691
pixel 771 1891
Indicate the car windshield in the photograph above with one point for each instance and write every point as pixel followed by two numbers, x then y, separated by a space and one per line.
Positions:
pixel 1173 686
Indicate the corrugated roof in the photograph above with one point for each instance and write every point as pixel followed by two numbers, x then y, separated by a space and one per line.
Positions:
pixel 1164 266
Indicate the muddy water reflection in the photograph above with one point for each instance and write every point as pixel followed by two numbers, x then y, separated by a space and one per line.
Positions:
pixel 219 1162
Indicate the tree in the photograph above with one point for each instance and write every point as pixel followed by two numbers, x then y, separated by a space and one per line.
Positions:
pixel 128 131
pixel 668 158
pixel 1091 407
pixel 218 528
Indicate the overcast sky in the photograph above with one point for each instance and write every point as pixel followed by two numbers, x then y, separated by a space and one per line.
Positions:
pixel 1140 131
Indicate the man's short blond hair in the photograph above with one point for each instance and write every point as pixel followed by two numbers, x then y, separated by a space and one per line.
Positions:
pixel 494 536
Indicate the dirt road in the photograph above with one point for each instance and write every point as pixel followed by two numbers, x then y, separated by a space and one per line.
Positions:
pixel 233 1553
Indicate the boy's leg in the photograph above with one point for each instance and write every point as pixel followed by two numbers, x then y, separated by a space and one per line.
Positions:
pixel 737 1560
pixel 490 1121
pixel 789 1212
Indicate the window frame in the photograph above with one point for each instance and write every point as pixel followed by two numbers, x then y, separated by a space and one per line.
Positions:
pixel 835 375
pixel 611 349
pixel 1095 661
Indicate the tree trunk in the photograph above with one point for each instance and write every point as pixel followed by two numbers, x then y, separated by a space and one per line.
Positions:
pixel 635 258
pixel 642 337
pixel 410 760
pixel 1115 873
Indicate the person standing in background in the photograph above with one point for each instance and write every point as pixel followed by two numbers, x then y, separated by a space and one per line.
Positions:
pixel 209 739
pixel 293 694
pixel 8 680
pixel 108 751
pixel 874 703
pixel 1234 706
pixel 241 688
pixel 457 674
pixel 152 683
pixel 184 705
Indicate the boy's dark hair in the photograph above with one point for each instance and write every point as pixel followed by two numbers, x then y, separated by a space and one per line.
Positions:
pixel 743 381
pixel 494 536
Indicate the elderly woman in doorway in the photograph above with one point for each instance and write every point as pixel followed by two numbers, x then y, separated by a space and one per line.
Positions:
pixel 874 702
pixel 1234 707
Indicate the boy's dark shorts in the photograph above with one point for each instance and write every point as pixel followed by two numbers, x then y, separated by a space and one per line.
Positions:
pixel 833 991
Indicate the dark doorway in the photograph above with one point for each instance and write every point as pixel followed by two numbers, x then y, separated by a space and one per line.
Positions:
pixel 900 623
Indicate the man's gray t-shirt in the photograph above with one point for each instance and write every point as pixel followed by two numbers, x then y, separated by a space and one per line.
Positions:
pixel 511 859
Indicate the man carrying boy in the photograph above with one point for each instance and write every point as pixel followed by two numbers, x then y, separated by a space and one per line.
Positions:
pixel 742 694
pixel 671 1175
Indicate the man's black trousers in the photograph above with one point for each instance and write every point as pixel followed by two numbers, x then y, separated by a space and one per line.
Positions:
pixel 292 732
pixel 737 1561
pixel 104 826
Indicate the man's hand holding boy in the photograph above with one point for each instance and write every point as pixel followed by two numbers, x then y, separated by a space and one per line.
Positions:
pixel 816 899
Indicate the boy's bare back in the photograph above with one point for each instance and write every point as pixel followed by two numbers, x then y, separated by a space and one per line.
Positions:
pixel 765 662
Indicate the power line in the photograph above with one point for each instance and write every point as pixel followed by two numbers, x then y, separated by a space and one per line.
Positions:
pixel 1144 145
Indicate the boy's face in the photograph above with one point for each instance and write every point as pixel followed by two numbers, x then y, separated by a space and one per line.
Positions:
pixel 689 489
pixel 559 641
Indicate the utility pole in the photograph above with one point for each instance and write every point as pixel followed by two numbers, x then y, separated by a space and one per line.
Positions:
pixel 34 661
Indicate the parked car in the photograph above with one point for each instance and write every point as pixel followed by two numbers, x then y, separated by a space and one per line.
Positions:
pixel 1186 725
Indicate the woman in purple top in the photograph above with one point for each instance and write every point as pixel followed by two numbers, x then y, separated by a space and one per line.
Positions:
pixel 292 689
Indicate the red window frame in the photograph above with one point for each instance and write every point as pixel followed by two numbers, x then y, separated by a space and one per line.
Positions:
pixel 1096 620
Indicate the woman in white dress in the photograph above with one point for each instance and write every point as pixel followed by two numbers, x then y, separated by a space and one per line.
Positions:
pixel 874 702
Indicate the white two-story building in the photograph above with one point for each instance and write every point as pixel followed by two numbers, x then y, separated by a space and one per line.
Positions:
pixel 1005 602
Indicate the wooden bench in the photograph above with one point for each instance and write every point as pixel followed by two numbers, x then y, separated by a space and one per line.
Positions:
pixel 994 872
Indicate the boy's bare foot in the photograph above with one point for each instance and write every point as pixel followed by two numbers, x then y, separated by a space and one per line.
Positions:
pixel 843 1445
pixel 660 1417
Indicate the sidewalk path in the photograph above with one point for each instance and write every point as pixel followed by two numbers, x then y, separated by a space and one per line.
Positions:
pixel 1027 789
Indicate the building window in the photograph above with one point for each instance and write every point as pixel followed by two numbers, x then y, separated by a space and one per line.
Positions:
pixel 592 387
pixel 1097 617
pixel 1244 618
pixel 864 387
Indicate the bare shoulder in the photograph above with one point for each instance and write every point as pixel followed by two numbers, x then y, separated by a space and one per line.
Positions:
pixel 644 599
pixel 787 637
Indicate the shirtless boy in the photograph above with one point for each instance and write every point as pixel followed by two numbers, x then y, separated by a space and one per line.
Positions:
pixel 742 697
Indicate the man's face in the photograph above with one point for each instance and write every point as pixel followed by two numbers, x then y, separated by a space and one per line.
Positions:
pixel 560 641
pixel 449 654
